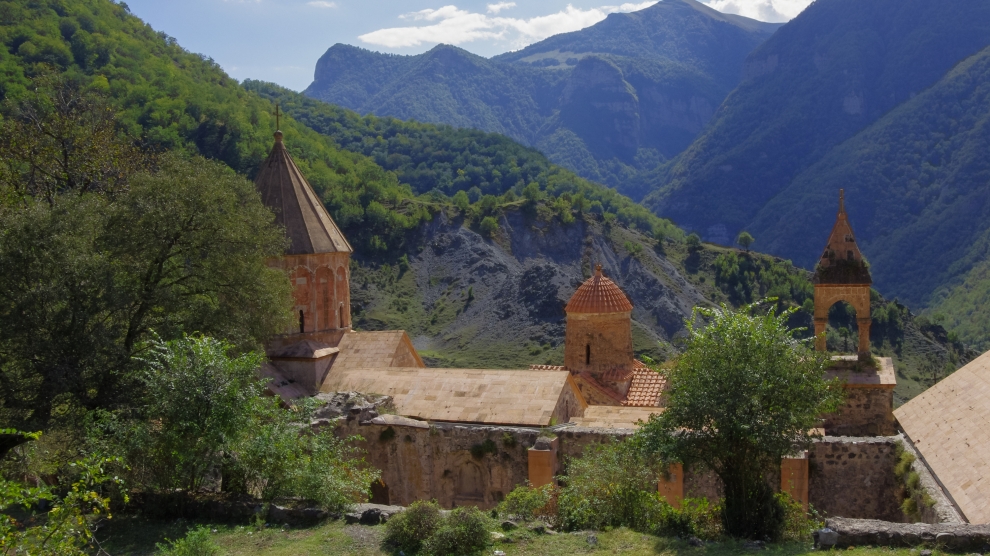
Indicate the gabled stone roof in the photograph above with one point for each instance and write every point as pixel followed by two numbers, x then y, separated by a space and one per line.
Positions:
pixel 492 396
pixel 949 425
pixel 382 348
pixel 841 261
pixel 599 295
pixel 297 208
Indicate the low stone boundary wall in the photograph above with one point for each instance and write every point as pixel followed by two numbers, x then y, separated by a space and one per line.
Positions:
pixel 946 536
pixel 477 465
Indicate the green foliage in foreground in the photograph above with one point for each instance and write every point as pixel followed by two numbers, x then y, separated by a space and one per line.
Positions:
pixel 67 526
pixel 742 395
pixel 204 411
pixel 125 536
pixel 197 542
pixel 182 251
pixel 422 529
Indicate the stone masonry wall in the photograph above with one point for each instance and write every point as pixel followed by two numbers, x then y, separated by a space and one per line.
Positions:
pixel 854 477
pixel 609 337
pixel 865 412
pixel 848 477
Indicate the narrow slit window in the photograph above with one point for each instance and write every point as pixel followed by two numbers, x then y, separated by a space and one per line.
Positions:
pixel 587 354
pixel 341 315
pixel 302 323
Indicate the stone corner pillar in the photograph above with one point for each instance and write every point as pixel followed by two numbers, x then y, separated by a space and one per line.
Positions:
pixel 794 477
pixel 671 487
pixel 542 460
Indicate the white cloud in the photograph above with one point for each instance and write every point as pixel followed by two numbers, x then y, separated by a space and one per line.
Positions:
pixel 764 10
pixel 322 4
pixel 495 8
pixel 452 25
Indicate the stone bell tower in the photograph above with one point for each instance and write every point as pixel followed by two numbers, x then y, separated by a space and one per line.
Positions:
pixel 598 339
pixel 318 257
pixel 843 275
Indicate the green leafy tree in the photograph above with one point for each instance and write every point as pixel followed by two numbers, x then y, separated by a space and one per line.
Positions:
pixel 181 251
pixel 744 394
pixel 693 241
pixel 198 402
pixel 461 201
pixel 278 456
pixel 67 527
pixel 489 226
pixel 745 239
pixel 62 138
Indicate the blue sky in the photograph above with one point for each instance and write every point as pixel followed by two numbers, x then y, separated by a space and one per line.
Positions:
pixel 281 40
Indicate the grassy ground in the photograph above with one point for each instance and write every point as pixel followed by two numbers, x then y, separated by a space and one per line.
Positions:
pixel 134 536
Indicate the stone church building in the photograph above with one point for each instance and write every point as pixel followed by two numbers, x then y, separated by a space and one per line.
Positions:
pixel 323 354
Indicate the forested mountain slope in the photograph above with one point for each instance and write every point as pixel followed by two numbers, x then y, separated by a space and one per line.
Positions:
pixel 466 239
pixel 606 101
pixel 918 185
pixel 822 78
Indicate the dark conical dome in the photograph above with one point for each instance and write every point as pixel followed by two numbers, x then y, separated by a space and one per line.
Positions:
pixel 842 262
pixel 297 208
pixel 599 295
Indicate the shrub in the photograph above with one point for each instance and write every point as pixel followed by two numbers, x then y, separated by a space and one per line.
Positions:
pixel 464 531
pixel 799 524
pixel 486 447
pixel 526 502
pixel 408 530
pixel 611 485
pixel 489 226
pixel 196 543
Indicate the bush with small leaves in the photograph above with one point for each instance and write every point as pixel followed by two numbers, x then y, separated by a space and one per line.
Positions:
pixel 197 542
pixel 464 531
pixel 526 502
pixel 489 226
pixel 408 530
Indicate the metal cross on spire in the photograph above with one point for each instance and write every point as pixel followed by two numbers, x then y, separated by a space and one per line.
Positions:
pixel 278 118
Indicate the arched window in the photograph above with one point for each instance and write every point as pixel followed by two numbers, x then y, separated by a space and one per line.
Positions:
pixel 302 322
pixel 587 354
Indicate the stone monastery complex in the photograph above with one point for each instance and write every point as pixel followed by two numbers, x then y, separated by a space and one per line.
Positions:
pixel 442 416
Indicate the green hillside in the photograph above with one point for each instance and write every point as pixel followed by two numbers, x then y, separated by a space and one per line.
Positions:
pixel 442 160
pixel 823 77
pixel 917 184
pixel 607 102
pixel 413 197
pixel 171 99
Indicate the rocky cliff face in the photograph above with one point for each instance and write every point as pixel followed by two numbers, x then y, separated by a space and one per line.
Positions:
pixel 468 300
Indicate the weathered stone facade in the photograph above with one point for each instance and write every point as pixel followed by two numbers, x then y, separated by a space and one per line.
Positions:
pixel 478 465
pixel 598 342
pixel 868 409
pixel 854 477
pixel 321 290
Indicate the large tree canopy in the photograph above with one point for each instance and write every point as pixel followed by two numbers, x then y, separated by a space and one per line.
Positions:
pixel 87 277
pixel 744 394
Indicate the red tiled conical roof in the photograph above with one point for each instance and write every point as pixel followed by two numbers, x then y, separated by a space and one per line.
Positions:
pixel 598 295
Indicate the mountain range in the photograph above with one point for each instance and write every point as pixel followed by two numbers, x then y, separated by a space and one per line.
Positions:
pixel 724 124
pixel 414 200
pixel 607 101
